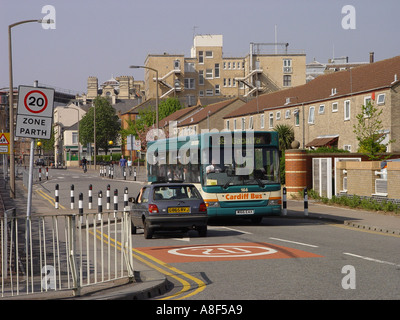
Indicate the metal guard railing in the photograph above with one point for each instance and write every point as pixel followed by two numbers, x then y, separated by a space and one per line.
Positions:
pixel 64 252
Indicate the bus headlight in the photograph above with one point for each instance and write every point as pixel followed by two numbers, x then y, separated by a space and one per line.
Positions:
pixel 274 201
pixel 212 204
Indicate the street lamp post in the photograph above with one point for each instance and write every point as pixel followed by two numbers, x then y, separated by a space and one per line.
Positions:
pixel 11 103
pixel 156 71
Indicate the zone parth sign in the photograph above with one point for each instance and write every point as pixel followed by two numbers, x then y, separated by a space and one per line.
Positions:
pixel 35 112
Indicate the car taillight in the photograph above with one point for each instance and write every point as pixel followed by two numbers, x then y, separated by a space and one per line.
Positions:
pixel 153 208
pixel 203 207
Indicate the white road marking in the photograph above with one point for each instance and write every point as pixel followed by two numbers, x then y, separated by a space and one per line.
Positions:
pixel 222 227
pixel 371 259
pixel 300 243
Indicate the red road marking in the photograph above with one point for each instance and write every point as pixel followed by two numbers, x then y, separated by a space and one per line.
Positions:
pixel 225 252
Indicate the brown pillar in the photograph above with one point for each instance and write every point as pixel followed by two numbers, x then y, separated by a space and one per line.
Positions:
pixel 295 170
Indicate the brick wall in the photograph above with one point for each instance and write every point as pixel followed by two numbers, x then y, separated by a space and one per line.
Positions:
pixel 393 170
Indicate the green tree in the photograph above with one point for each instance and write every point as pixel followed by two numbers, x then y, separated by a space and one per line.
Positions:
pixel 107 125
pixel 369 132
pixel 286 137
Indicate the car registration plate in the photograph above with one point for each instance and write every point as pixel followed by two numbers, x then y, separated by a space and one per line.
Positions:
pixel 178 209
pixel 244 211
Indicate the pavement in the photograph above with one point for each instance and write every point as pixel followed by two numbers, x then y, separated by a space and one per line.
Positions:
pixel 149 283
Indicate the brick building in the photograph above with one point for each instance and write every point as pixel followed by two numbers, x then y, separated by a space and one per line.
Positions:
pixel 208 73
pixel 323 111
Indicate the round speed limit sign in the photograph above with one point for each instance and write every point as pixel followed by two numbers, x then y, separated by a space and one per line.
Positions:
pixel 35 101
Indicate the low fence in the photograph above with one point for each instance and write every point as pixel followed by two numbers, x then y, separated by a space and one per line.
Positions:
pixel 63 252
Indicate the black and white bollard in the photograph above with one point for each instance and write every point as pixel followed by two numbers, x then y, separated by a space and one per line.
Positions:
pixel 108 197
pixel 305 202
pixel 134 174
pixel 124 173
pixel 57 199
pixel 80 206
pixel 72 196
pixel 90 197
pixel 40 174
pixel 115 202
pixel 47 173
pixel 99 205
pixel 126 199
pixel 284 203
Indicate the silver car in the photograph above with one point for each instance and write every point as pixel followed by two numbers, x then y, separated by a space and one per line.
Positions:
pixel 169 206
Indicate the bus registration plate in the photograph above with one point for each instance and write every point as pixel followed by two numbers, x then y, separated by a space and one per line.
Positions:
pixel 244 211
pixel 179 210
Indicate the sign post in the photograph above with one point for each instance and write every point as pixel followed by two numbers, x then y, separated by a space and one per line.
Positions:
pixel 34 120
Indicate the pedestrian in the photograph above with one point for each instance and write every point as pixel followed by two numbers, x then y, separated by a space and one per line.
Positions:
pixel 130 166
pixel 122 164
pixel 84 164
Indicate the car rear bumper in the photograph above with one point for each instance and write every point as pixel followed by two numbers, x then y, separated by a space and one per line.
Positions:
pixel 176 221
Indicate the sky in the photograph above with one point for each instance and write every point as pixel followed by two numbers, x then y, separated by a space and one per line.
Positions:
pixel 103 38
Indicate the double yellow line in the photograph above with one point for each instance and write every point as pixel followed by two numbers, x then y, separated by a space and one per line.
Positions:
pixel 47 197
pixel 154 263
pixel 162 267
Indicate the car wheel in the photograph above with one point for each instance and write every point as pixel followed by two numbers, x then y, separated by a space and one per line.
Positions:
pixel 133 228
pixel 202 231
pixel 148 233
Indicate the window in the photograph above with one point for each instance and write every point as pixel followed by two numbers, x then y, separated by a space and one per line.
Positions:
pixel 271 120
pixel 321 109
pixel 287 114
pixel 233 65
pixel 209 73
pixel 189 67
pixel 217 89
pixel 209 92
pixel 201 77
pixel 243 123
pixel 209 54
pixel 224 82
pixel 296 117
pixel 227 125
pixel 287 65
pixel 74 137
pixel 367 101
pixel 224 65
pixel 287 80
pixel 201 57
pixel 381 99
pixel 262 121
pixel 216 68
pixel 335 107
pixel 311 115
pixel 189 83
pixel 347 147
pixel 251 123
pixel 234 124
pixel 347 110
pixel 278 115
pixel 201 93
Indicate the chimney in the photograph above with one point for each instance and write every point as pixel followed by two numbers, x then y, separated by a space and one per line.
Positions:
pixel 371 57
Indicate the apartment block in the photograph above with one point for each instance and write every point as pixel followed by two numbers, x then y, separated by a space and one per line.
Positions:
pixel 208 73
